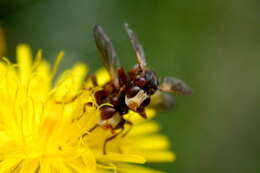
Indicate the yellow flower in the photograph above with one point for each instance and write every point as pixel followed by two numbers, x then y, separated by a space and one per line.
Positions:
pixel 44 126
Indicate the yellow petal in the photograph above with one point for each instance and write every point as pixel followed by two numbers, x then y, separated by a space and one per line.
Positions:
pixel 45 166
pixel 102 76
pixel 69 83
pixel 114 157
pixel 159 156
pixel 152 143
pixel 59 165
pixel 9 164
pixel 79 71
pixel 144 129
pixel 41 81
pixel 89 160
pixel 29 166
pixel 57 63
pixel 24 58
pixel 136 118
pixel 127 168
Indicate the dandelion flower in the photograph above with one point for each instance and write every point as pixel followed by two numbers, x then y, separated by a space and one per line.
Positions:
pixel 42 130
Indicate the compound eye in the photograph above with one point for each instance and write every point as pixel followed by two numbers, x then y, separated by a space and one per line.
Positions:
pixel 132 91
pixel 146 102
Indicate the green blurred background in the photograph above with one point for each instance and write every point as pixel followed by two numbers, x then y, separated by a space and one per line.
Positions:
pixel 212 45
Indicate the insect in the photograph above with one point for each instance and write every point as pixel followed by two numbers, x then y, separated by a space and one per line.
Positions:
pixel 127 91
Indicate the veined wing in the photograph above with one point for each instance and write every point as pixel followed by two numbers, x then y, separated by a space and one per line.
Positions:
pixel 108 53
pixel 139 52
pixel 172 84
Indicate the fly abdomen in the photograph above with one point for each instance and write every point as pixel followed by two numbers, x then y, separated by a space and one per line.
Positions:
pixel 107 112
pixel 110 118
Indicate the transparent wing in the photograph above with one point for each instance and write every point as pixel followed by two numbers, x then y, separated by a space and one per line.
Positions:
pixel 172 84
pixel 139 52
pixel 162 101
pixel 108 53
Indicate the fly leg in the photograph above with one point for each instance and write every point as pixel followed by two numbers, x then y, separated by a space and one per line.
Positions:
pixel 83 112
pixel 111 138
pixel 130 124
pixel 90 130
pixel 129 128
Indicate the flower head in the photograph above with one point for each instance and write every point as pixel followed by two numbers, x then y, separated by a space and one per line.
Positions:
pixel 44 127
